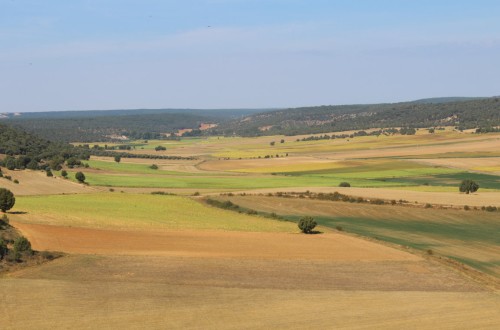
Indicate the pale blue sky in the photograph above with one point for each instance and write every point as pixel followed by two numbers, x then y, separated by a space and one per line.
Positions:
pixel 116 54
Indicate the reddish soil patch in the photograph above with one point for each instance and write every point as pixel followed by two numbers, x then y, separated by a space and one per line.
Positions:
pixel 331 246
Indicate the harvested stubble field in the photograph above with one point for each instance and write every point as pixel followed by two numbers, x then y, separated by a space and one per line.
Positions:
pixel 37 183
pixel 218 279
pixel 468 236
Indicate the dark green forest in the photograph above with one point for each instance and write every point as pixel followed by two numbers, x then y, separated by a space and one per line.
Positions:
pixel 26 150
pixel 102 126
pixel 480 113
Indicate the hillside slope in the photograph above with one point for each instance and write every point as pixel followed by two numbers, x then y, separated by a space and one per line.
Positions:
pixel 465 114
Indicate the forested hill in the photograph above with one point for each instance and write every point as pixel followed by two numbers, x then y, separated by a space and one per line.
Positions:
pixel 25 150
pixel 96 126
pixel 481 113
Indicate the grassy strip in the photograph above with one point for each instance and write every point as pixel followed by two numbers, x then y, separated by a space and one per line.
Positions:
pixel 136 211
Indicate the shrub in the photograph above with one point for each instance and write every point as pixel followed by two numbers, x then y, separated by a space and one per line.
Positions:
pixel 154 167
pixel 49 172
pixel 307 224
pixel 490 208
pixel 466 208
pixel 339 228
pixel 428 206
pixel 3 249
pixel 64 174
pixel 5 219
pixel 344 184
pixel 16 181
pixel 160 148
pixel 80 177
pixel 197 193
pixel 7 199
pixel 22 245
pixel 118 159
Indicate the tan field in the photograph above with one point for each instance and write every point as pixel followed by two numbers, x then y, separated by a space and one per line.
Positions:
pixel 490 165
pixel 222 280
pixel 37 183
pixel 457 199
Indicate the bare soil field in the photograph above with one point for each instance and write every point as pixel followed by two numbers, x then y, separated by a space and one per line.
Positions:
pixel 37 183
pixel 330 246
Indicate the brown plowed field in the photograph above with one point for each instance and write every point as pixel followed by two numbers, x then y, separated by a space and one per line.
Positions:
pixel 329 246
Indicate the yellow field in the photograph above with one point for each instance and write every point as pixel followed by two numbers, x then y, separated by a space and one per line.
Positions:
pixel 136 211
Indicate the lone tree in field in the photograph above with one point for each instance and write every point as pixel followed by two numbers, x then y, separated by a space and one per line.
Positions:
pixel 307 224
pixel 118 159
pixel 80 177
pixel 7 199
pixel 468 186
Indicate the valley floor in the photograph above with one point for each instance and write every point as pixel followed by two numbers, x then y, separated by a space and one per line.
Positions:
pixel 234 280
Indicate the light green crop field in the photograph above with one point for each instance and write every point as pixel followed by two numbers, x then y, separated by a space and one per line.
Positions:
pixel 226 182
pixel 138 211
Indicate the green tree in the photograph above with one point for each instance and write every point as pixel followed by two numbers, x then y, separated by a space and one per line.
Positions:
pixel 118 159
pixel 64 174
pixel 7 199
pixel 468 186
pixel 80 177
pixel 307 224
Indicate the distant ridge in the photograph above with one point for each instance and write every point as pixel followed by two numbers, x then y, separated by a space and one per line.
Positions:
pixel 447 99
pixel 461 112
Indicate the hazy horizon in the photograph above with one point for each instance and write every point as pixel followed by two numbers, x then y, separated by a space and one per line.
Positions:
pixel 232 54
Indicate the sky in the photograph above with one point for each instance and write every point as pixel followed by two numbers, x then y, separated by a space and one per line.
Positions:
pixel 124 54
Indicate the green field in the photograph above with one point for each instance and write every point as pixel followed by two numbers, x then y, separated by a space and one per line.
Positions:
pixel 137 211
pixel 225 182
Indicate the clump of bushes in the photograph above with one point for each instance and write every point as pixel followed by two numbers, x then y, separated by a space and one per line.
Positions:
pixel 344 184
pixel 227 205
pixel 490 208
